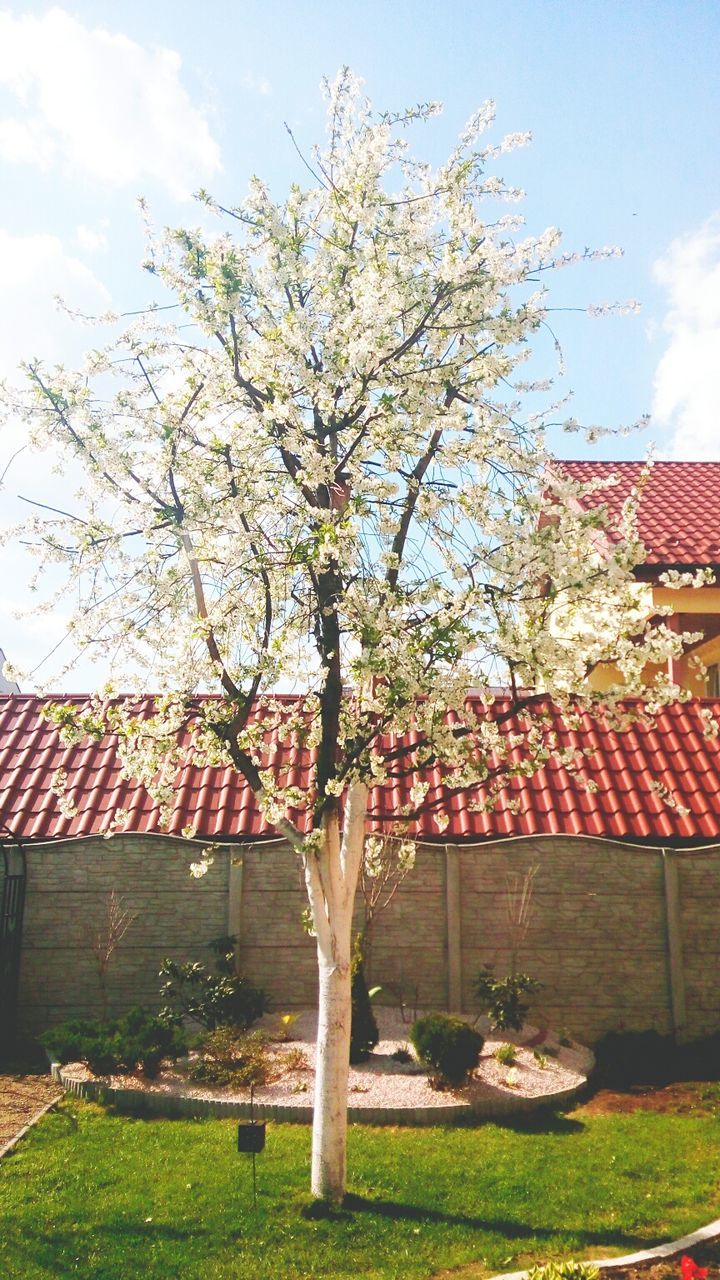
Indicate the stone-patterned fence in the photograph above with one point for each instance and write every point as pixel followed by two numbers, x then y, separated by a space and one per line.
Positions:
pixel 620 936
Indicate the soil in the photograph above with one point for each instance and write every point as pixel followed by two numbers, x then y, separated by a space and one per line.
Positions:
pixel 705 1255
pixel 683 1098
pixel 22 1097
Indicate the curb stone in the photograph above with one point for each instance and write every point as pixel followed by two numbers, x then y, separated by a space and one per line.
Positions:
pixel 701 1236
pixel 137 1100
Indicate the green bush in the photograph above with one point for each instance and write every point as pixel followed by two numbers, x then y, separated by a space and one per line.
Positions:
pixel 700 1059
pixel 502 998
pixel 448 1045
pixel 624 1058
pixel 222 998
pixel 364 1033
pixel 228 1057
pixel 138 1038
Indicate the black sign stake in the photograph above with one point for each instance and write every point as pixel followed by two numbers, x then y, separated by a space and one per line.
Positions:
pixel 251 1139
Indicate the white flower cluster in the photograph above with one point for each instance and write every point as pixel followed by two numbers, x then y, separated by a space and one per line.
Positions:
pixel 313 478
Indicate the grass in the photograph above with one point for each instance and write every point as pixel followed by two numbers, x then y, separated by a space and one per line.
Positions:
pixel 101 1197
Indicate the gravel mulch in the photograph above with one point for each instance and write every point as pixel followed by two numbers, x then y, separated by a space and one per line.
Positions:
pixel 382 1081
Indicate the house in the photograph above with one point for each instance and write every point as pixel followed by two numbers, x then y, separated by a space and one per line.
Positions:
pixel 624 837
pixel 6 686
pixel 679 524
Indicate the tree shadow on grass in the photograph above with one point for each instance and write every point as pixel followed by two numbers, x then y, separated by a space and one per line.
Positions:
pixel 541 1122
pixel 503 1226
pixel 122 1242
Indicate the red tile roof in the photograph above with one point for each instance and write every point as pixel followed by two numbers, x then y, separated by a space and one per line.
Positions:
pixel 619 791
pixel 679 515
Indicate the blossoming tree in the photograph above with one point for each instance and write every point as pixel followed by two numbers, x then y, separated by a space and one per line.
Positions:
pixel 317 476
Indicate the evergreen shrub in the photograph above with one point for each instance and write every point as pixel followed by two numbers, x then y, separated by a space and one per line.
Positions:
pixel 447 1045
pixel 364 1033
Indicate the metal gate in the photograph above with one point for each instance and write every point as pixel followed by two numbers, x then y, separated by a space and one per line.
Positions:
pixel 12 902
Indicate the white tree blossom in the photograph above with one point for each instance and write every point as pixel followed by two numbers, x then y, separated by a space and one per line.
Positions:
pixel 317 477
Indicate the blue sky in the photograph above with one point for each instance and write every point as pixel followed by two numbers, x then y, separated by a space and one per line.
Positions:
pixel 101 103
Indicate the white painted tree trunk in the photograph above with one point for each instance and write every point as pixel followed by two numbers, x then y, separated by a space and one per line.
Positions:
pixel 332 1067
pixel 331 876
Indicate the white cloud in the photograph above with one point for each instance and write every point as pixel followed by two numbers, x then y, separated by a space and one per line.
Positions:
pixel 256 84
pixel 100 104
pixel 687 379
pixel 90 240
pixel 34 270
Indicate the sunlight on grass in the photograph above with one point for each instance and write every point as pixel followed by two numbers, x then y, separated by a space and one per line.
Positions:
pixel 100 1197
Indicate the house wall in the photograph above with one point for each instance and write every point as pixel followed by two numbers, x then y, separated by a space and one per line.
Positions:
pixel 603 917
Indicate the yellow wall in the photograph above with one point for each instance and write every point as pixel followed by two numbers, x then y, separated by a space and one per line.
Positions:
pixel 685 671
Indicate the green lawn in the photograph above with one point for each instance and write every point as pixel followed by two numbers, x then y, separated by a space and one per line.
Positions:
pixel 94 1195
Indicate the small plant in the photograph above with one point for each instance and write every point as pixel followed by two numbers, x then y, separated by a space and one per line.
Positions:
pixel 402 1054
pixel 512 1078
pixel 284 1024
pixel 222 998
pixel 407 997
pixel 564 1271
pixel 228 1057
pixel 448 1045
pixel 295 1060
pixel 364 1033
pixel 540 1058
pixel 506 1055
pixel 504 998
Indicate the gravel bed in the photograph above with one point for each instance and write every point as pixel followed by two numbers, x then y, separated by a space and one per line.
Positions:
pixel 384 1082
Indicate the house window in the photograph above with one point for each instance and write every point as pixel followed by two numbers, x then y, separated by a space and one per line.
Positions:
pixel 713 681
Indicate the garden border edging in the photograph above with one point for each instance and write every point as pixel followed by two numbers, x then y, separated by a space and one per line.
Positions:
pixel 668 1250
pixel 172 1104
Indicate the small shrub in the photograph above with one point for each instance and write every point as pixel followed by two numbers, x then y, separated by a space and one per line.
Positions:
pixel 624 1058
pixel 222 998
pixel 564 1271
pixel 505 1054
pixel 540 1058
pixel 364 1033
pixel 448 1045
pixel 227 1057
pixel 503 998
pixel 67 1041
pixel 700 1059
pixel 138 1038
pixel 145 1038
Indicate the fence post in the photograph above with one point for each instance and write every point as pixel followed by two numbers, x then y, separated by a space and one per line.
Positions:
pixel 454 927
pixel 674 937
pixel 234 904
